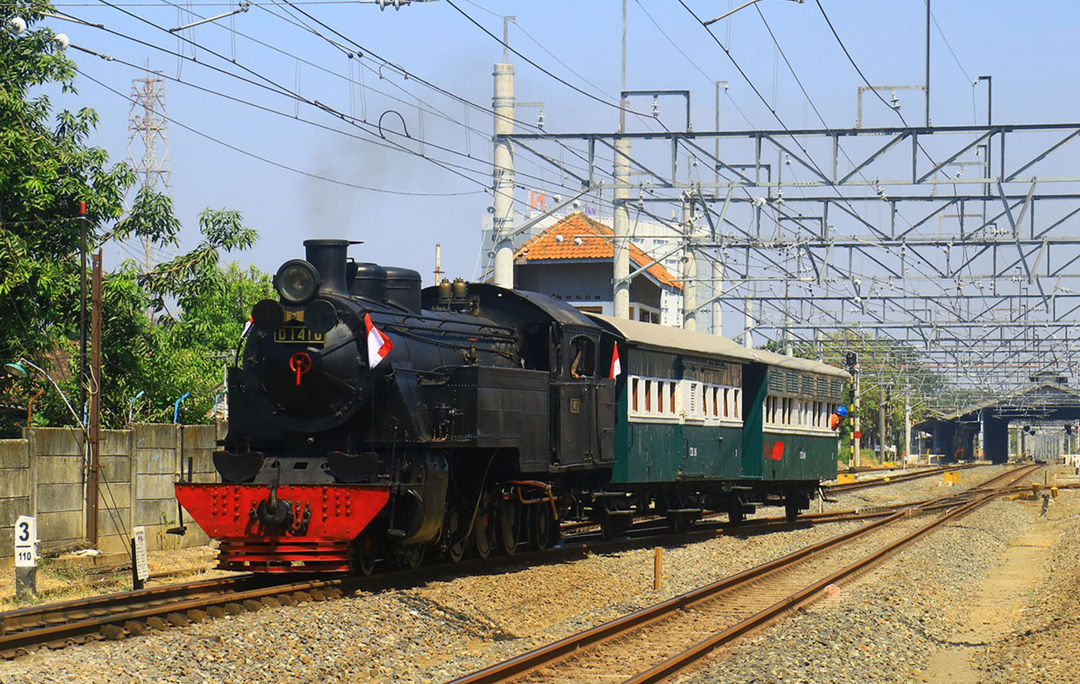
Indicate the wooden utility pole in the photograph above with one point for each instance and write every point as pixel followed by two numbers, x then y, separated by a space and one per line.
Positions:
pixel 95 406
pixel 82 312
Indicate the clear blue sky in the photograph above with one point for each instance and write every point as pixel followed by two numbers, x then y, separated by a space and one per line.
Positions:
pixel 1027 48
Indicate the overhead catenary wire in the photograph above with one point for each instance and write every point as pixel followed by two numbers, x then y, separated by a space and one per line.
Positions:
pixel 967 76
pixel 271 162
pixel 407 73
pixel 678 48
pixel 770 108
pixel 541 68
pixel 268 84
pixel 365 65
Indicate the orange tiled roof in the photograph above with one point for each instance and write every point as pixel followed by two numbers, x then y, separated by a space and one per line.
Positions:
pixel 595 244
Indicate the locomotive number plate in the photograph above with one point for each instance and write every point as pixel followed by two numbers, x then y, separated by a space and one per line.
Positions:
pixel 298 334
pixel 575 406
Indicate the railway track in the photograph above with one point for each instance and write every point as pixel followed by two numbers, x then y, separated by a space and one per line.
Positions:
pixel 893 479
pixel 130 613
pixel 656 642
pixel 116 616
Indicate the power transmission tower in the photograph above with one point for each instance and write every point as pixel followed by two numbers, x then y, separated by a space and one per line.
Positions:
pixel 149 134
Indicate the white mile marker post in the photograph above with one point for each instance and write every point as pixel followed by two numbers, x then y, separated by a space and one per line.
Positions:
pixel 25 558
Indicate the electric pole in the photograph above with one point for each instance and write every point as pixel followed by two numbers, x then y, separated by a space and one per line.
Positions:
pixel 148 132
pixel 95 408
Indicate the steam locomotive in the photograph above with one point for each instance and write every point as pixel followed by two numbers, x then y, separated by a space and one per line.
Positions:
pixel 371 421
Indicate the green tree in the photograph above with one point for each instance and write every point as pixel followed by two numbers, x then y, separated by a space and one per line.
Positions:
pixel 47 169
pixel 891 371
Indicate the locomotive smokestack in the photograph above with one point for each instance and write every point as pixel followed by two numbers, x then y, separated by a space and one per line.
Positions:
pixel 329 257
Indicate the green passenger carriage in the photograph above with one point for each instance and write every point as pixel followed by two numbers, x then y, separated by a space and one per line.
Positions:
pixel 703 421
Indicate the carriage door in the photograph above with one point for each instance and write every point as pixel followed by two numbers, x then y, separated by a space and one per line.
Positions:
pixel 575 426
pixel 755 387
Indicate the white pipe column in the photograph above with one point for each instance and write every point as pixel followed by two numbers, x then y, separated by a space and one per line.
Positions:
pixel 503 176
pixel 689 267
pixel 907 426
pixel 621 271
pixel 748 323
pixel 717 292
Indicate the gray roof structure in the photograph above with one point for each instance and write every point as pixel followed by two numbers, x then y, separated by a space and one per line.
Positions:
pixel 664 337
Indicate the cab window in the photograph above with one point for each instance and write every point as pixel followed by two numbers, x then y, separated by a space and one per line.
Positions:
pixel 582 357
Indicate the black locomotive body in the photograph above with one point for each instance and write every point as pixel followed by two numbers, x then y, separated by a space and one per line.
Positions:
pixel 370 420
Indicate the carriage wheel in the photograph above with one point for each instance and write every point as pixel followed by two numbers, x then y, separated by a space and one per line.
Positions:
pixel 681 522
pixel 509 526
pixel 542 530
pixel 735 513
pixel 615 526
pixel 791 508
pixel 455 535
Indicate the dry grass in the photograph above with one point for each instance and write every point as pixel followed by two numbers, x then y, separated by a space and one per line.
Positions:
pixel 71 577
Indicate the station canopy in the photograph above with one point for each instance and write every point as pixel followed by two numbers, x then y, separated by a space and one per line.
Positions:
pixel 1048 400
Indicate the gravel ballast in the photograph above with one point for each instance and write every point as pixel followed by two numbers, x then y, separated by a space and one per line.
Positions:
pixel 884 626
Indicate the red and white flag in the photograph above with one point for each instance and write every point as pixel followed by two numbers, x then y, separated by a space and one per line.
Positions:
pixel 378 344
pixel 616 367
pixel 247 326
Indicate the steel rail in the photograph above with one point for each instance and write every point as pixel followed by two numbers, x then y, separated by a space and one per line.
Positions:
pixel 550 653
pixel 71 620
pixel 21 619
pixel 682 660
pixel 892 479
pixel 70 630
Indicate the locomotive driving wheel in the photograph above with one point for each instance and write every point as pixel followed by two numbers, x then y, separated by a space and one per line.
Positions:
pixel 542 528
pixel 483 533
pixel 509 520
pixel 364 554
pixel 411 557
pixel 454 531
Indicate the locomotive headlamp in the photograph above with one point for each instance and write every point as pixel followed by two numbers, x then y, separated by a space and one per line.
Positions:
pixel 320 316
pixel 296 281
pixel 267 316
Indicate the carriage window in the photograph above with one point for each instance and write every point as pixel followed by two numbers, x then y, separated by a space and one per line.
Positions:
pixel 648 396
pixel 583 357
pixel 633 393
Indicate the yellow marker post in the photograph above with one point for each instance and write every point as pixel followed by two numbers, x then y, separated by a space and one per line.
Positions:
pixel 951 477
pixel 845 478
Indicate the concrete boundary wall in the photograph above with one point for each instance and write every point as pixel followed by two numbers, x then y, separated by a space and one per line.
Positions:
pixel 43 475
